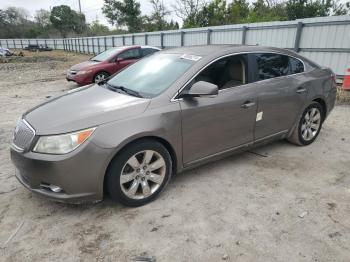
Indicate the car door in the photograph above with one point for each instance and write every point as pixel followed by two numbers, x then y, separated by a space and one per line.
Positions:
pixel 281 93
pixel 213 125
pixel 126 58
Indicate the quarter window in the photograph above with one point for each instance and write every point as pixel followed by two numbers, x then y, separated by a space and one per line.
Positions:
pixel 296 66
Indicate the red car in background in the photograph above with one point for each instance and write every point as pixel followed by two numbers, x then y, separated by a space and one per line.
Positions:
pixel 107 63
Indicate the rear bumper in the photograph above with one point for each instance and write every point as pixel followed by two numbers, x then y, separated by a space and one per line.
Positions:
pixel 80 173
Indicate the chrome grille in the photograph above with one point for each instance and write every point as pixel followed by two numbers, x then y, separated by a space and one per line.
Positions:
pixel 23 135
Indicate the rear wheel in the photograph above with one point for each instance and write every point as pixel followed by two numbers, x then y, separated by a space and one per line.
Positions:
pixel 309 125
pixel 139 173
pixel 100 76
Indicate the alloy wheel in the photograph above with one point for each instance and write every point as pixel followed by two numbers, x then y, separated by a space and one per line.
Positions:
pixel 311 124
pixel 100 77
pixel 143 174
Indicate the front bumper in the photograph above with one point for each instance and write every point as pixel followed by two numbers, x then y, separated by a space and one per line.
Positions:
pixel 80 79
pixel 80 173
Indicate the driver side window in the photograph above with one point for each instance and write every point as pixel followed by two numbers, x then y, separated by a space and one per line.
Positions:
pixel 226 72
pixel 130 54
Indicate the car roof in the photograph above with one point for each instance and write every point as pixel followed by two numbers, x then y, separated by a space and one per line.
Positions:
pixel 212 50
pixel 125 47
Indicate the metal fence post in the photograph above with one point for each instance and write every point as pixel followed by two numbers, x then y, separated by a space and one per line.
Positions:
pixel 98 45
pixel 45 42
pixel 105 42
pixel 209 36
pixel 146 39
pixel 93 45
pixel 132 39
pixel 123 40
pixel 87 45
pixel 14 44
pixel 244 34
pixel 161 40
pixel 113 41
pixel 7 44
pixel 182 41
pixel 21 44
pixel 54 44
pixel 298 36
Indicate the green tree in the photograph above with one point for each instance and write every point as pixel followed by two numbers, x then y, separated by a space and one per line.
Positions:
pixel 42 18
pixel 124 13
pixel 65 20
pixel 238 11
pixel 157 20
pixel 263 11
pixel 95 28
pixel 305 8
pixel 188 11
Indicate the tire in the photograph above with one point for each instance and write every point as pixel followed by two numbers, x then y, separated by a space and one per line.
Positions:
pixel 307 130
pixel 100 76
pixel 134 183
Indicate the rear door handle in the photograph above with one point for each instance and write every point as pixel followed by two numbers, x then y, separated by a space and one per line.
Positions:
pixel 247 104
pixel 301 90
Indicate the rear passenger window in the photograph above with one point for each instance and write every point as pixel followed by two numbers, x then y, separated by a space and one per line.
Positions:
pixel 147 51
pixel 272 65
pixel 296 66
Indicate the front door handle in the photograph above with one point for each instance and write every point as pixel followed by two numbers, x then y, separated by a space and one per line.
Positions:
pixel 301 90
pixel 247 104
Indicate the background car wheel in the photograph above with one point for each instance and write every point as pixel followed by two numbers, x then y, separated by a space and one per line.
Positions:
pixel 100 76
pixel 309 125
pixel 139 173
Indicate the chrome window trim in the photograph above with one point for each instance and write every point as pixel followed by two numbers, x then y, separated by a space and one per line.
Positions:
pixel 174 99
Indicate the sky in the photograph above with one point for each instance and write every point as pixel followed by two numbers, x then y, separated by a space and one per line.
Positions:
pixel 91 8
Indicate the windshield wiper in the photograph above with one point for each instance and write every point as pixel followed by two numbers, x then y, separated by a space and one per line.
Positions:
pixel 125 90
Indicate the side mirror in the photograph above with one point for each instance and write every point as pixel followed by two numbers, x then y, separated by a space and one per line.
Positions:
pixel 201 89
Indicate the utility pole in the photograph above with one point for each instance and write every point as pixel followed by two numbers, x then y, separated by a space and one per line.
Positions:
pixel 79 6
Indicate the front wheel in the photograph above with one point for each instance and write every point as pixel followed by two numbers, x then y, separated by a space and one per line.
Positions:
pixel 139 173
pixel 309 125
pixel 100 77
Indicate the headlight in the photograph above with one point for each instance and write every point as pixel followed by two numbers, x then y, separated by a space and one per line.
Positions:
pixel 84 72
pixel 62 144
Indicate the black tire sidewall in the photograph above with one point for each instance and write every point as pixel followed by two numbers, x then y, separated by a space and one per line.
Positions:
pixel 114 171
pixel 300 137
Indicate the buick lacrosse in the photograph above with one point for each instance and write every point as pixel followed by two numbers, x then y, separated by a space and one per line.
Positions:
pixel 168 112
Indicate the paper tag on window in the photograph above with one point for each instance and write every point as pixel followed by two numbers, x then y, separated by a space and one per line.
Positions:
pixel 259 116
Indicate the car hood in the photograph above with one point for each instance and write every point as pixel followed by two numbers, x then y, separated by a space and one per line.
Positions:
pixel 83 108
pixel 84 65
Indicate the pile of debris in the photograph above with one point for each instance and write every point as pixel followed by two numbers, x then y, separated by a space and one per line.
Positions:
pixel 5 53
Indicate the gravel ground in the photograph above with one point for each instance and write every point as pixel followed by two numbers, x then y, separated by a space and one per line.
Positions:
pixel 277 203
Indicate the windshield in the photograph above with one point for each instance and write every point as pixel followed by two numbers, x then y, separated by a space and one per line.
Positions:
pixel 152 75
pixel 106 54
